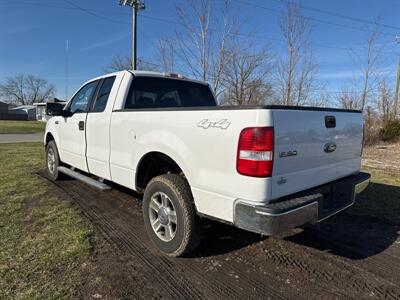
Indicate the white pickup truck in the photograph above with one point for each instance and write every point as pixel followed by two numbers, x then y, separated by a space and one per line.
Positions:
pixel 264 169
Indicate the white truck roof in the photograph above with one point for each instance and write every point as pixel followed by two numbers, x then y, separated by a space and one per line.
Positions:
pixel 153 74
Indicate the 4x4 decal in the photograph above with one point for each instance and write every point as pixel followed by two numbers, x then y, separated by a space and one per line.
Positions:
pixel 222 124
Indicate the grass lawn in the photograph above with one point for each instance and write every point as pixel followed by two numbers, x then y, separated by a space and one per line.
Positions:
pixel 43 240
pixel 21 126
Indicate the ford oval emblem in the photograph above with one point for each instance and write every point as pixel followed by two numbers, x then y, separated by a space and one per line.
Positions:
pixel 329 147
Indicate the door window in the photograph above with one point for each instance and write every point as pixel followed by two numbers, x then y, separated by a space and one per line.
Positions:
pixel 102 97
pixel 81 100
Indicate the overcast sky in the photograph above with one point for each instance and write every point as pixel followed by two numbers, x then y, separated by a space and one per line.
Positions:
pixel 33 35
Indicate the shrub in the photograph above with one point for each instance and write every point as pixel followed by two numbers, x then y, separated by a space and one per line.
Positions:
pixel 371 135
pixel 391 131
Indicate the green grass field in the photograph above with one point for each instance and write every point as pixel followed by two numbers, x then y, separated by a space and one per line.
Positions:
pixel 43 240
pixel 21 126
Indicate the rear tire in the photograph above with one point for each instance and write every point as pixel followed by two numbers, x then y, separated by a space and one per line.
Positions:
pixel 52 161
pixel 170 216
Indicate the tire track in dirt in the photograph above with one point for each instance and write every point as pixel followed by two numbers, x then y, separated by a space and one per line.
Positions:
pixel 220 286
pixel 189 264
pixel 175 286
pixel 385 265
pixel 125 240
pixel 339 277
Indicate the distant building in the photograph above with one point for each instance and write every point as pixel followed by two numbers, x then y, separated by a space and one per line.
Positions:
pixel 41 109
pixel 3 107
pixel 29 111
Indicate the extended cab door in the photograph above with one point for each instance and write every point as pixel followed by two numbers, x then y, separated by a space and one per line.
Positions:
pixel 98 127
pixel 72 146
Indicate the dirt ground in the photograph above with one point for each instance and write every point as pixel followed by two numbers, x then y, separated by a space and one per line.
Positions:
pixel 383 157
pixel 353 255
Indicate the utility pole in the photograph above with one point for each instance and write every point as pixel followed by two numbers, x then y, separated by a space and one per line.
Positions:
pixel 136 6
pixel 396 95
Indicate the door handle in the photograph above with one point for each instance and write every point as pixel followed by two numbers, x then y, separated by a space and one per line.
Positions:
pixel 81 125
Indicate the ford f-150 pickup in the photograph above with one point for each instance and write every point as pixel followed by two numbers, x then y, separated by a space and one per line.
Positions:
pixel 265 169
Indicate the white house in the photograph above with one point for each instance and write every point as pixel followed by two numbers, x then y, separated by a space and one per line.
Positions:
pixel 41 109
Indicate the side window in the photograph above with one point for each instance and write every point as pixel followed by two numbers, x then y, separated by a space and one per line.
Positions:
pixel 102 97
pixel 81 100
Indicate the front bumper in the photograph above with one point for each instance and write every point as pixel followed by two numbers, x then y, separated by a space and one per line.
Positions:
pixel 310 206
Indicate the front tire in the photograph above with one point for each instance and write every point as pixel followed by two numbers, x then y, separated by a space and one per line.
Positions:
pixel 52 161
pixel 169 215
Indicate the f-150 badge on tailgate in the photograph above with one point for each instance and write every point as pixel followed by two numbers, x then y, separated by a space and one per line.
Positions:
pixel 222 124
pixel 288 153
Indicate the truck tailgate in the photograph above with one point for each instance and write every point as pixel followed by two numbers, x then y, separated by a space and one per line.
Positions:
pixel 313 148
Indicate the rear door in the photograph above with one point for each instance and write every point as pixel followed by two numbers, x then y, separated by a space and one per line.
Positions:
pixel 313 148
pixel 72 128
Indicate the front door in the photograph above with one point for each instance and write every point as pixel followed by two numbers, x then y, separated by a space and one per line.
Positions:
pixel 72 128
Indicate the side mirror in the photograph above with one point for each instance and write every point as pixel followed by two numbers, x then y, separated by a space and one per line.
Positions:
pixel 55 109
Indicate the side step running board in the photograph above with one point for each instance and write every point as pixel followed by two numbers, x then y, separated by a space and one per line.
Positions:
pixel 86 179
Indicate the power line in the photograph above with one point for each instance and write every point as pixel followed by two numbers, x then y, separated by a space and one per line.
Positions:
pixel 93 12
pixel 334 14
pixel 64 7
pixel 311 18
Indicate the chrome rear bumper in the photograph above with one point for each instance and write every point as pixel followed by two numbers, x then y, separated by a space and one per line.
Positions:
pixel 307 208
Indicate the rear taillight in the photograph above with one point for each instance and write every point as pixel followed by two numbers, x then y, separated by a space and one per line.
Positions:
pixel 256 152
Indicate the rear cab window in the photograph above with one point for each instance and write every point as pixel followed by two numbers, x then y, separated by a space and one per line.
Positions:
pixel 154 92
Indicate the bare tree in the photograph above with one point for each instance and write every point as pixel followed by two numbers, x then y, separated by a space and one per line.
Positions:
pixel 246 78
pixel 121 62
pixel 26 89
pixel 166 54
pixel 321 98
pixel 205 40
pixel 297 68
pixel 385 101
pixel 349 99
pixel 368 65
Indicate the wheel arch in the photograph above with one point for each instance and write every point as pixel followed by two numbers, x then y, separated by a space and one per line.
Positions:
pixel 155 163
pixel 49 137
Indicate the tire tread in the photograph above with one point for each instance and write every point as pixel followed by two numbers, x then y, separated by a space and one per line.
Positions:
pixel 192 233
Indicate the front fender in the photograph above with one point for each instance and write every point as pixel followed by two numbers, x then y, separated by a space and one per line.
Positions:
pixel 53 130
